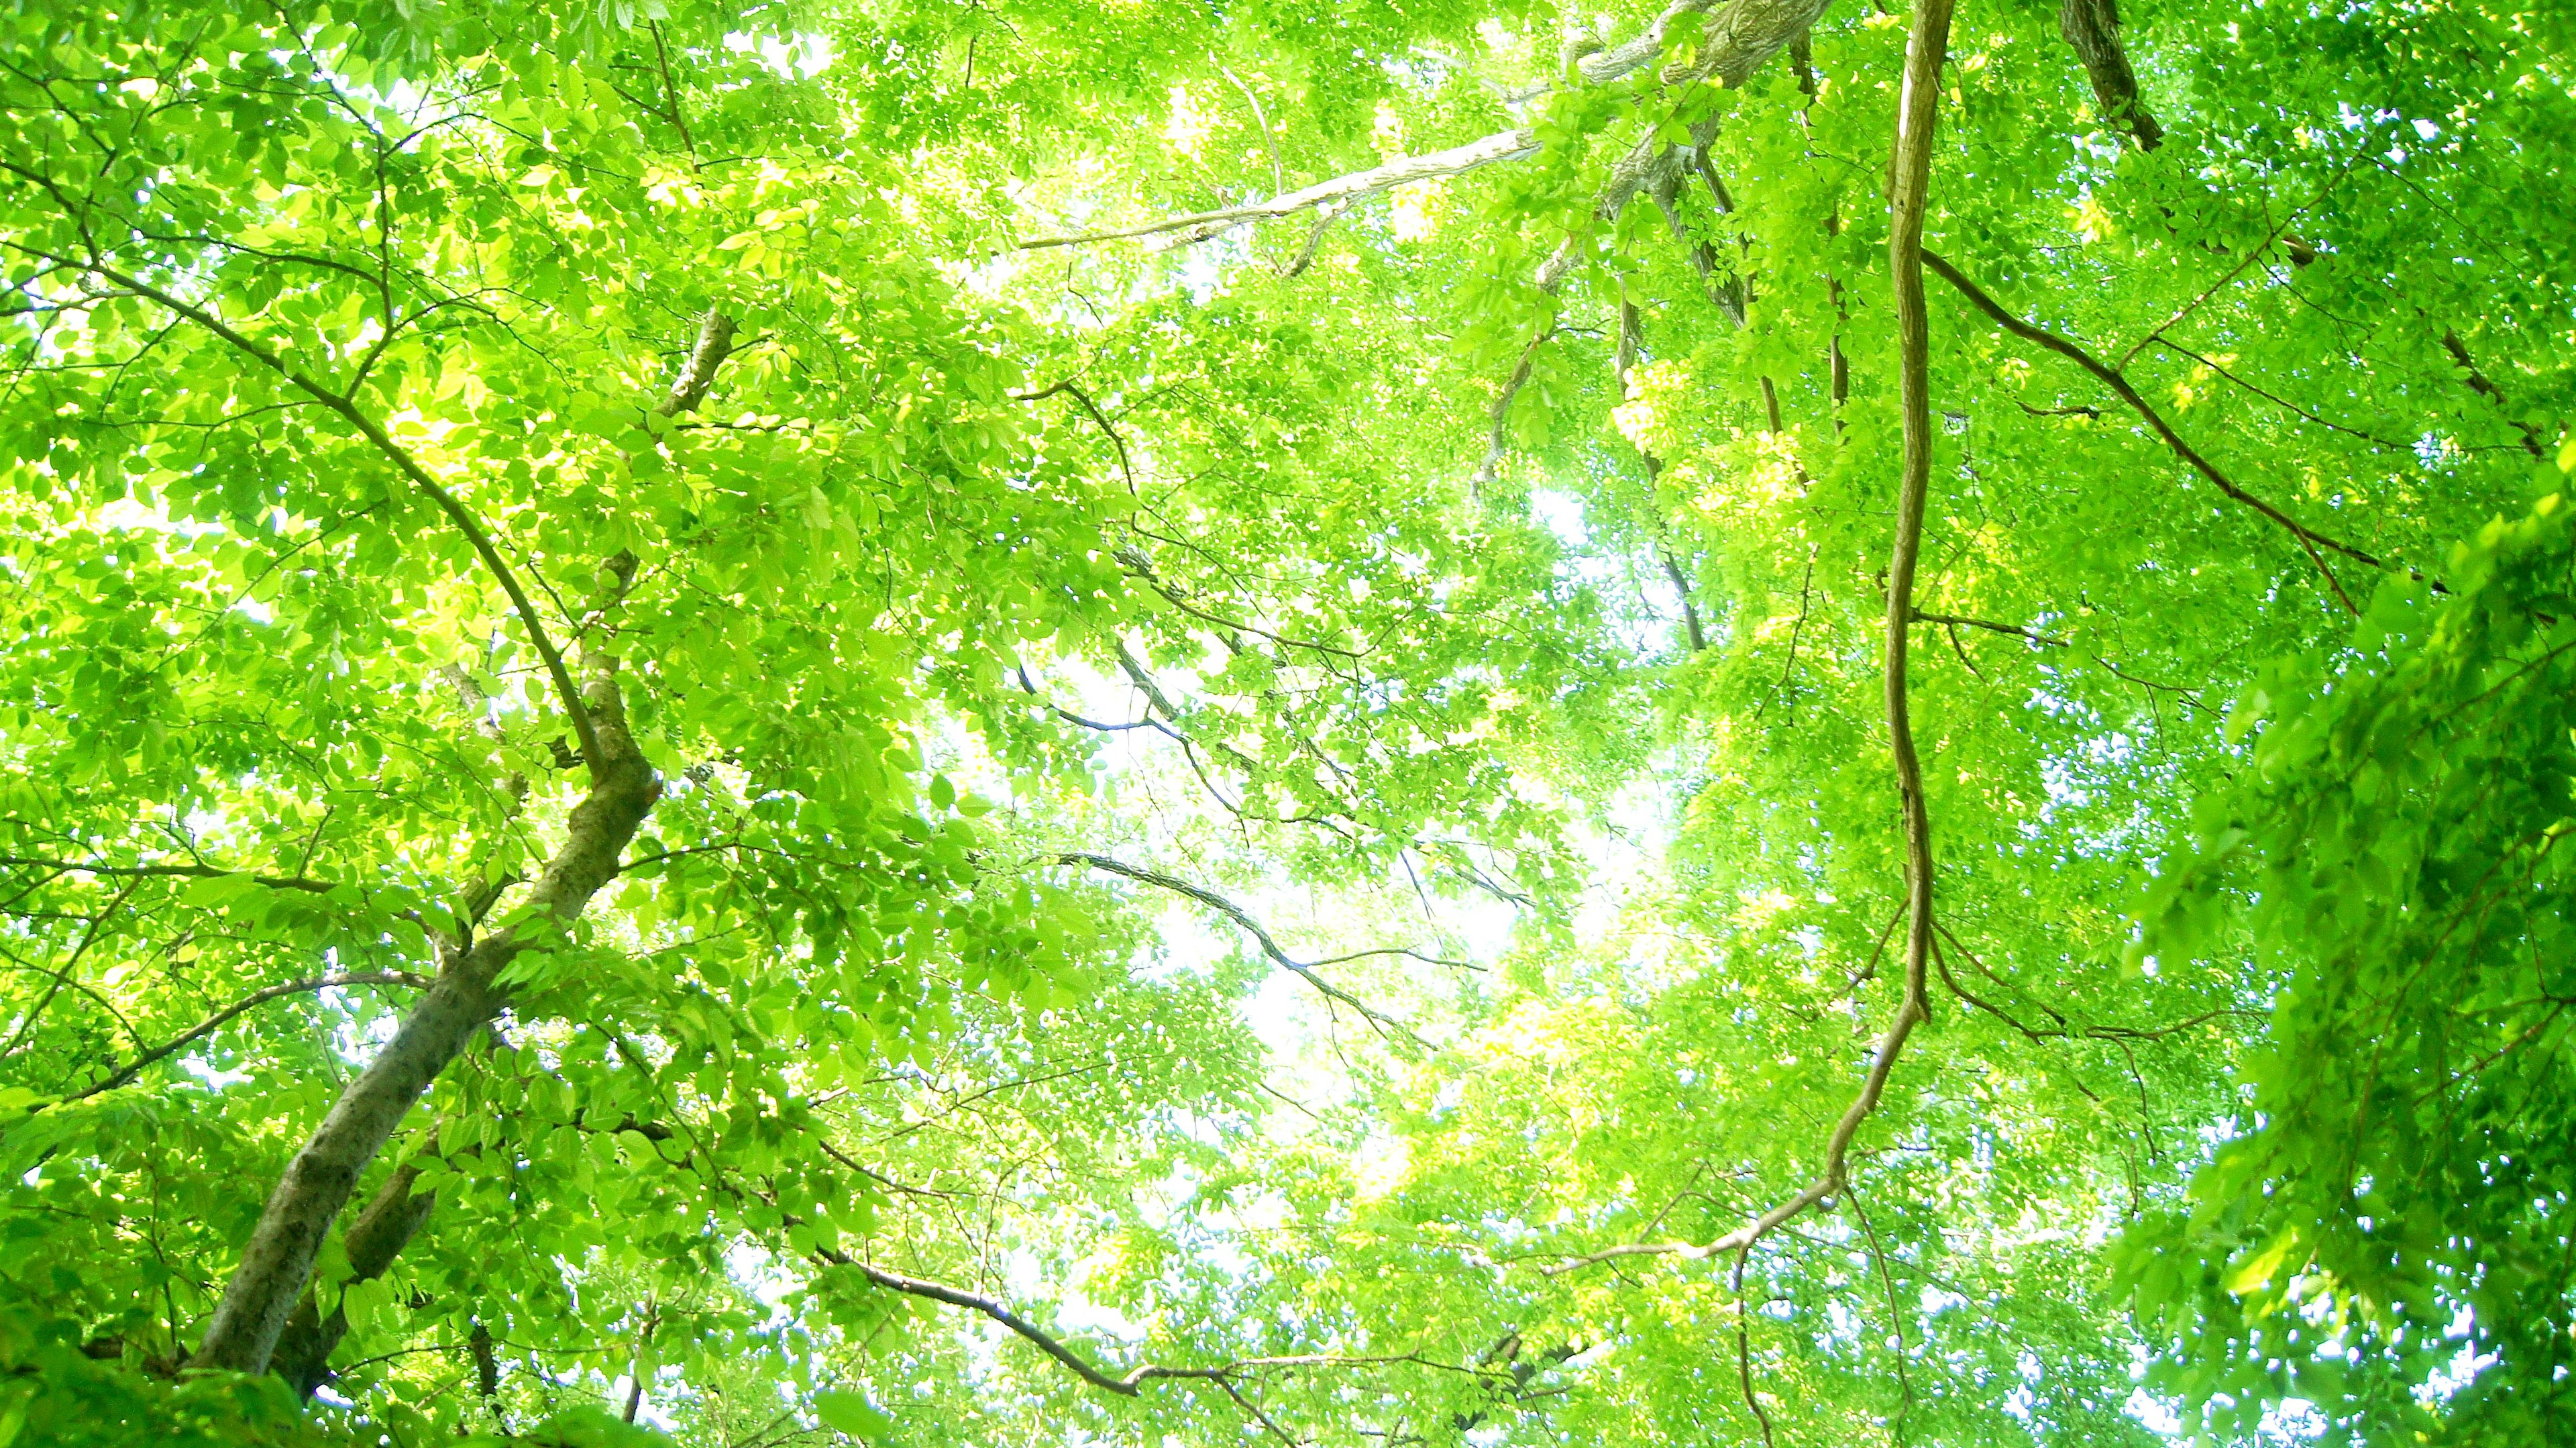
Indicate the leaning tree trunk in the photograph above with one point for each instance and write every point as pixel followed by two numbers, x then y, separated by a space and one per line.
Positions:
pixel 279 1258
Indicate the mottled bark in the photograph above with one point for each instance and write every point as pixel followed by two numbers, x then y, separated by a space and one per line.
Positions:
pixel 2093 28
pixel 278 1261
pixel 303 1353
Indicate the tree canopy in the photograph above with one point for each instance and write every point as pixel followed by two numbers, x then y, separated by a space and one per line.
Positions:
pixel 1363 723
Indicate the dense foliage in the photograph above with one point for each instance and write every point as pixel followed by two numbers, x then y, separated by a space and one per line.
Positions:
pixel 1373 723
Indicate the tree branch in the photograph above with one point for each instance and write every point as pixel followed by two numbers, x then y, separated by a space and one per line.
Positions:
pixel 1457 160
pixel 1269 946
pixel 2479 384
pixel 196 872
pixel 2016 630
pixel 2093 28
pixel 1129 1383
pixel 215 1022
pixel 278 1260
pixel 1732 45
pixel 1927 45
pixel 403 462
pixel 2309 538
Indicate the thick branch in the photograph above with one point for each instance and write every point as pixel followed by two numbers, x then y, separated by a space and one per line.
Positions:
pixel 714 345
pixel 278 1260
pixel 392 1217
pixel 2093 28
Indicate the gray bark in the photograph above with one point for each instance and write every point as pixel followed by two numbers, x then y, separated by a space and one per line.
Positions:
pixel 277 1263
pixel 303 1353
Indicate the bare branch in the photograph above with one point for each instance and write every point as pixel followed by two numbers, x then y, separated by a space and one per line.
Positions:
pixel 215 1022
pixel 2309 538
pixel 1457 160
pixel 1269 946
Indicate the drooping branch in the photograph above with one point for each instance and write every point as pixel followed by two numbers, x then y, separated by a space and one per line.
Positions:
pixel 2309 539
pixel 2093 28
pixel 1927 45
pixel 1269 946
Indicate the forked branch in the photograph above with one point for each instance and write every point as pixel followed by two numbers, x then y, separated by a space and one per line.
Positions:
pixel 2309 539
pixel 1270 947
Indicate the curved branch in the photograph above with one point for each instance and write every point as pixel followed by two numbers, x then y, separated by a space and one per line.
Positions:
pixel 215 1022
pixel 1926 46
pixel 403 461
pixel 1127 1384
pixel 2309 539
pixel 1269 946
pixel 1068 385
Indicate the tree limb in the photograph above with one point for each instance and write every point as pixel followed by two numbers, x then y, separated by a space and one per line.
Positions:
pixel 2093 28
pixel 1733 44
pixel 2479 384
pixel 2016 630
pixel 278 1260
pixel 215 1022
pixel 1926 46
pixel 1269 947
pixel 1129 1383
pixel 409 466
pixel 2309 538
pixel 1457 160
